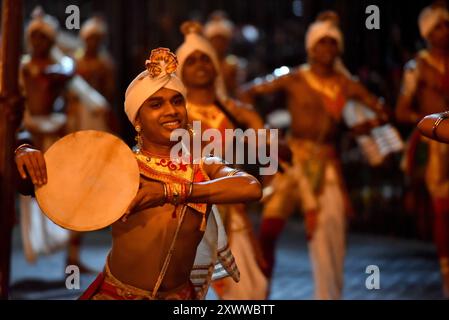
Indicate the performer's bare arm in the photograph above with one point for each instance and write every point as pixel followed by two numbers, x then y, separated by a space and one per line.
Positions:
pixel 404 106
pixel 227 185
pixel 435 126
pixel 404 111
pixel 358 91
pixel 246 114
pixel 268 85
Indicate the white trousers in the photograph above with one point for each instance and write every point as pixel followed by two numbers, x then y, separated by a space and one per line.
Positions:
pixel 327 246
pixel 253 284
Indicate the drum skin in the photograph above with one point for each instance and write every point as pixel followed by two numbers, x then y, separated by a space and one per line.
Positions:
pixel 93 177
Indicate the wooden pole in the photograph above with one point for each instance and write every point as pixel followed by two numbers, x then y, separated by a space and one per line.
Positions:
pixel 11 111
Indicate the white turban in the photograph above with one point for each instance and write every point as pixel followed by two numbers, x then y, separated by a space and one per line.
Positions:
pixel 429 18
pixel 95 25
pixel 42 22
pixel 160 73
pixel 195 41
pixel 218 26
pixel 321 29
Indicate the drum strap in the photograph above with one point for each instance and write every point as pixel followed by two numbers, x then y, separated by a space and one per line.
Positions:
pixel 169 254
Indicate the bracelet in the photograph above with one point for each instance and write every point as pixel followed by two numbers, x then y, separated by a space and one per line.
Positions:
pixel 177 193
pixel 186 191
pixel 24 145
pixel 169 191
pixel 165 193
pixel 189 193
pixel 232 173
pixel 440 119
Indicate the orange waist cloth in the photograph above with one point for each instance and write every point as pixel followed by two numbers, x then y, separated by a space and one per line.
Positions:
pixel 107 287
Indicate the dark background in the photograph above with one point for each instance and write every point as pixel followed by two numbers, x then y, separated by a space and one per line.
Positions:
pixel 375 56
pixel 137 26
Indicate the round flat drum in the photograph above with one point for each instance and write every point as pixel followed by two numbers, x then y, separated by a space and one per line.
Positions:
pixel 92 178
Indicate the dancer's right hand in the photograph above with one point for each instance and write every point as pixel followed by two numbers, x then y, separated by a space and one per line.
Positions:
pixel 150 195
pixel 33 161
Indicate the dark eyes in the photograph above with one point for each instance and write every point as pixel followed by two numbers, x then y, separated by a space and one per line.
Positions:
pixel 205 58
pixel 155 104
pixel 175 101
pixel 192 60
pixel 178 101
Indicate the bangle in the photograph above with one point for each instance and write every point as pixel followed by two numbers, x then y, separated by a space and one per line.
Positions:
pixel 24 145
pixel 189 189
pixel 232 173
pixel 177 193
pixel 169 191
pixel 440 119
pixel 165 193
pixel 183 193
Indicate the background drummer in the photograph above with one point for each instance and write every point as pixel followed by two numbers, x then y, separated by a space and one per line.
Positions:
pixel 44 82
pixel 425 90
pixel 319 91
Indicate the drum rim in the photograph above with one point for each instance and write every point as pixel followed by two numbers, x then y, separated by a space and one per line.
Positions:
pixel 97 226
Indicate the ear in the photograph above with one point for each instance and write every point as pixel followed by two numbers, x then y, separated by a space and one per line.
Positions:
pixel 137 122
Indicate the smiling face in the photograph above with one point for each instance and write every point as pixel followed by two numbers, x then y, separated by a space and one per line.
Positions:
pixel 198 70
pixel 160 114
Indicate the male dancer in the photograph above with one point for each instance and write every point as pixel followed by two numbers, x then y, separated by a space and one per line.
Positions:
pixel 200 71
pixel 219 31
pixel 316 93
pixel 94 65
pixel 44 83
pixel 425 90
pixel 167 243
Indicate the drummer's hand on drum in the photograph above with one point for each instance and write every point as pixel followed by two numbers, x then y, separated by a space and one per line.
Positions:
pixel 34 162
pixel 151 194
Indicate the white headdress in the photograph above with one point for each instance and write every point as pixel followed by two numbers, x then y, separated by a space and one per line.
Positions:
pixel 325 26
pixel 160 73
pixel 94 25
pixel 218 25
pixel 42 22
pixel 430 17
pixel 195 41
